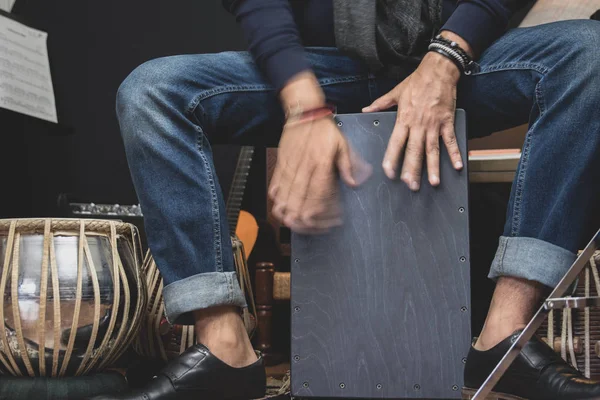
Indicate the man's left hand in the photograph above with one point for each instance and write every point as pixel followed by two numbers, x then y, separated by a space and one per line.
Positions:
pixel 426 103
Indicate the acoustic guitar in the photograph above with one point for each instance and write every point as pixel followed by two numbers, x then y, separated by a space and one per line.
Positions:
pixel 241 222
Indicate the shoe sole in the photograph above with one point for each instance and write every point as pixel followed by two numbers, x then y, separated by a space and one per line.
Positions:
pixel 196 396
pixel 468 394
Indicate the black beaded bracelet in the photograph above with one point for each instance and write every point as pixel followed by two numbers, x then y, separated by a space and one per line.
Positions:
pixel 453 51
pixel 454 46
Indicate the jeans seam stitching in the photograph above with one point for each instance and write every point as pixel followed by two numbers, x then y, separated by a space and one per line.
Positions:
pixel 346 79
pixel 516 219
pixel 225 89
pixel 262 88
pixel 215 205
pixel 540 98
pixel 510 67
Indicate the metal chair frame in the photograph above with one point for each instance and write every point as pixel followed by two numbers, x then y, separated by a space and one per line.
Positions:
pixel 554 301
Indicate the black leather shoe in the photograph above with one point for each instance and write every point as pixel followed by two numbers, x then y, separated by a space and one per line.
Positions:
pixel 199 375
pixel 538 373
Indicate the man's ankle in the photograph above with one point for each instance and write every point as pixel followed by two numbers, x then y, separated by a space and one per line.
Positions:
pixel 216 318
pixel 222 331
pixel 513 304
pixel 492 335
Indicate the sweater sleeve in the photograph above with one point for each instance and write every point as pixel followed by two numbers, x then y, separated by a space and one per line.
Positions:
pixel 272 36
pixel 481 22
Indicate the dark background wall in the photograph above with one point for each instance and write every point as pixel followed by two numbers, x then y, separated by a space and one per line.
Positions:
pixel 93 46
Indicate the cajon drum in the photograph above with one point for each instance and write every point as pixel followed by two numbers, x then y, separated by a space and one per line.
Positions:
pixel 380 305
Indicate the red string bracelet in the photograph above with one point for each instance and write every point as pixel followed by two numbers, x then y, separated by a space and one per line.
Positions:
pixel 300 116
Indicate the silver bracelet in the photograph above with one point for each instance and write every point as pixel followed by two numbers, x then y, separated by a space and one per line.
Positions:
pixel 450 52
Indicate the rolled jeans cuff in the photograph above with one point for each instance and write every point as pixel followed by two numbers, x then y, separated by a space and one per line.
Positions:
pixel 531 259
pixel 201 291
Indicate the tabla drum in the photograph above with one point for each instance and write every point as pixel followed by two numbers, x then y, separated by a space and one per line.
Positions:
pixel 73 295
pixel 575 333
pixel 160 340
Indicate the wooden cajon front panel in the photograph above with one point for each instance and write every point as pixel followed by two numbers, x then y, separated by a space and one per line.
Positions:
pixel 380 306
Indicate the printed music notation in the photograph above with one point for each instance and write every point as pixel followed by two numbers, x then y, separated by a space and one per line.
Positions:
pixel 25 80
pixel 7 5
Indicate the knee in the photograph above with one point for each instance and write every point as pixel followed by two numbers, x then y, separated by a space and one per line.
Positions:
pixel 149 96
pixel 135 94
pixel 582 39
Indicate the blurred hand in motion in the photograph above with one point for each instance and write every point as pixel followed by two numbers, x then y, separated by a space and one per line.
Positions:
pixel 304 187
pixel 311 156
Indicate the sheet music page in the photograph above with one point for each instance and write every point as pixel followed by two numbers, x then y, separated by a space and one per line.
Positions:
pixel 7 5
pixel 25 80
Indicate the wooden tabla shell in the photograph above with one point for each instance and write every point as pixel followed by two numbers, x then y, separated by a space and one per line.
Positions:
pixel 93 265
pixel 159 339
pixel 574 333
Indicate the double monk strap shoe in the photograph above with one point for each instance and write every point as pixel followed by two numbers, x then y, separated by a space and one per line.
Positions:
pixel 538 373
pixel 197 374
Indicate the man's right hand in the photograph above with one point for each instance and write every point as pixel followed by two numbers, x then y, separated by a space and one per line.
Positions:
pixel 304 186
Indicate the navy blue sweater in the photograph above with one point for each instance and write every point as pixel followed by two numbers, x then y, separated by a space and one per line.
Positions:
pixel 278 30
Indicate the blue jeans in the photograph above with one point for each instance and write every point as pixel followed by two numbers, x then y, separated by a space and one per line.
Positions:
pixel 171 109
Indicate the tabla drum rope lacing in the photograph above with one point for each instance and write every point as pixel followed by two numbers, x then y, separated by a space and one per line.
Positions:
pixel 567 340
pixel 11 365
pixel 127 301
pixel 117 297
pixel 588 346
pixel 77 311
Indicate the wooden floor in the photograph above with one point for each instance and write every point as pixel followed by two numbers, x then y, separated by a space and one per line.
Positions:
pixel 276 375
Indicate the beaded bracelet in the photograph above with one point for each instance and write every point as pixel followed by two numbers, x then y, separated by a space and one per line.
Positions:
pixel 454 52
pixel 454 46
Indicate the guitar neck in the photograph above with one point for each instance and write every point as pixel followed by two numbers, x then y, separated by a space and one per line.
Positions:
pixel 238 186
